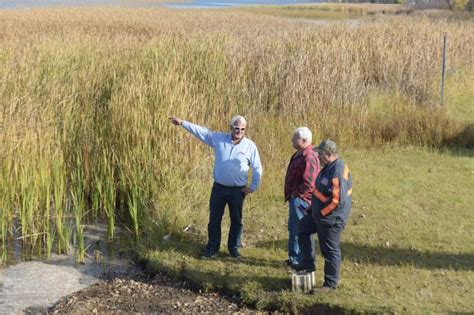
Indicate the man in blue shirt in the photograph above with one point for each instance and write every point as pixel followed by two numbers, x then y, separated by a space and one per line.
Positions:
pixel 234 156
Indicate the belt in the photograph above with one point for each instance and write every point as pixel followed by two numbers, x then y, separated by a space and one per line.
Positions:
pixel 224 186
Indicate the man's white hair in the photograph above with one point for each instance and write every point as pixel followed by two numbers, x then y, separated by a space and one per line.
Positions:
pixel 303 133
pixel 237 119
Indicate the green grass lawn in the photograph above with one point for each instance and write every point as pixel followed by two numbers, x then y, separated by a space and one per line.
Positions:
pixel 408 247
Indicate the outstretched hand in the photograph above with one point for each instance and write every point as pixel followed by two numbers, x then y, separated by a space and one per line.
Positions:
pixel 246 190
pixel 176 121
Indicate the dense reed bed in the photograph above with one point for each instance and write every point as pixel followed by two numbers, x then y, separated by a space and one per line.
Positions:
pixel 85 95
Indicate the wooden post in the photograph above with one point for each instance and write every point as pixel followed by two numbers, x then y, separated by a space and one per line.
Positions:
pixel 443 69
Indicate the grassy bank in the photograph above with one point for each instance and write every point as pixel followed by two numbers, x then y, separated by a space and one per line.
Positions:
pixel 84 100
pixel 407 248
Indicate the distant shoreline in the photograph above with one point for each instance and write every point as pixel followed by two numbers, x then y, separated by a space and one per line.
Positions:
pixel 30 4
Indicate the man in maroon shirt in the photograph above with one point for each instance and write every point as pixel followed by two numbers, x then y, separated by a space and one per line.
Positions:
pixel 299 186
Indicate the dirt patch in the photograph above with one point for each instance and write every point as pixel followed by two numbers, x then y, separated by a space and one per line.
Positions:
pixel 141 294
pixel 107 283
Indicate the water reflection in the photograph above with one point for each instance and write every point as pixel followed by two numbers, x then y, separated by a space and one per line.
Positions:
pixel 95 243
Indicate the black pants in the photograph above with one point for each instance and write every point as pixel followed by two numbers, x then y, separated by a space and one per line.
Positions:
pixel 329 235
pixel 220 197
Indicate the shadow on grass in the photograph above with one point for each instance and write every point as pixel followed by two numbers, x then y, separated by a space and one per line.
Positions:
pixel 275 245
pixel 393 256
pixel 260 289
pixel 404 256
pixel 462 143
pixel 261 292
pixel 227 282
pixel 192 245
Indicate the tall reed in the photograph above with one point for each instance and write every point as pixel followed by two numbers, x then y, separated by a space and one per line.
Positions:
pixel 79 206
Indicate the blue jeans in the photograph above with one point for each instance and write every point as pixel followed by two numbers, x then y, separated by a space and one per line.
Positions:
pixel 296 213
pixel 220 197
pixel 329 235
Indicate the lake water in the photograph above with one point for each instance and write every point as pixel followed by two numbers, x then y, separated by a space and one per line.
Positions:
pixel 5 4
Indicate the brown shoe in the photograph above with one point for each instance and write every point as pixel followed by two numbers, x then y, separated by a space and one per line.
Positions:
pixel 323 290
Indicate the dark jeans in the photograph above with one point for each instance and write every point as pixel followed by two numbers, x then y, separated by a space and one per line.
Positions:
pixel 220 197
pixel 329 235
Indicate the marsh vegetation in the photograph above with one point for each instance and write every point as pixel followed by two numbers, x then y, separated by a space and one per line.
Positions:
pixel 84 99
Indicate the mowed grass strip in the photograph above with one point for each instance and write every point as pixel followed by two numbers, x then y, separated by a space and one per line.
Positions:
pixel 408 246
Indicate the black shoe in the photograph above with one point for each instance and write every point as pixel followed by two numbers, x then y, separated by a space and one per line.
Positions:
pixel 234 253
pixel 209 254
pixel 302 267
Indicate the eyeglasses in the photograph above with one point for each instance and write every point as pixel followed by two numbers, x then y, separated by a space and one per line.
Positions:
pixel 239 129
